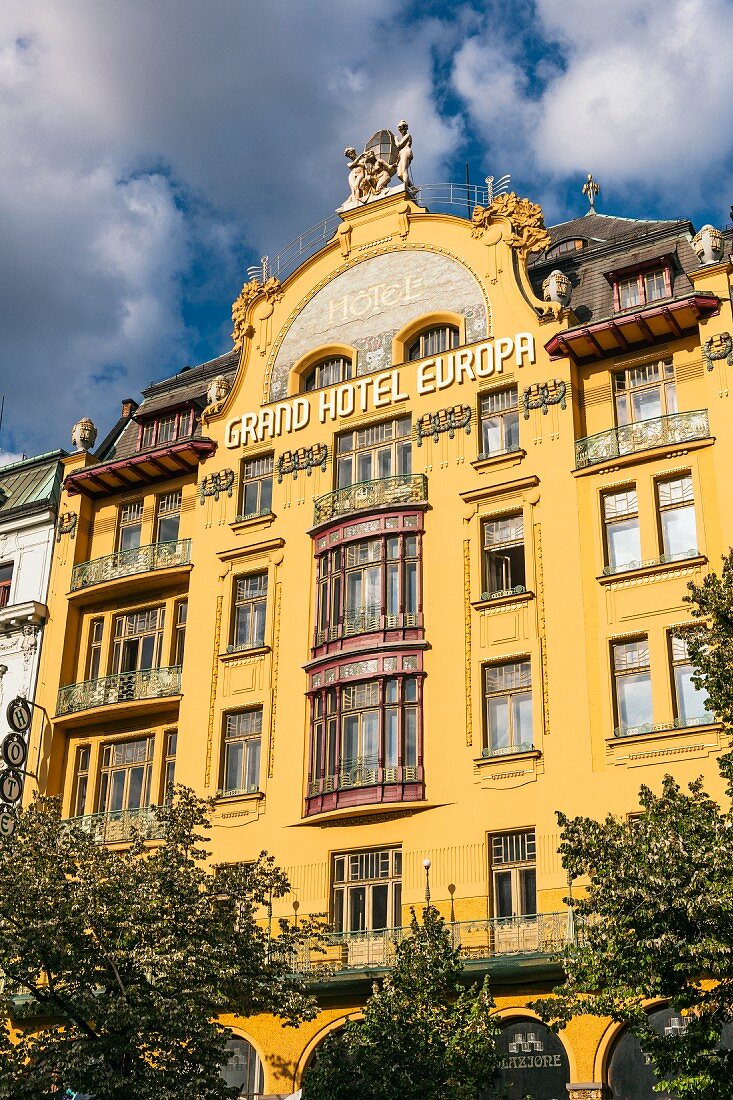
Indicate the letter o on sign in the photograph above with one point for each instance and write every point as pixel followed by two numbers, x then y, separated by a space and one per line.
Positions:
pixel 14 750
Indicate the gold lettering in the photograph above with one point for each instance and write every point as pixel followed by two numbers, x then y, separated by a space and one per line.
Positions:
pixel 503 347
pixel 444 371
pixel 301 413
pixel 396 396
pixel 426 377
pixel 267 420
pixel 381 389
pixel 484 360
pixel 524 346
pixel 326 404
pixel 345 395
pixel 464 364
pixel 232 432
pixel 249 428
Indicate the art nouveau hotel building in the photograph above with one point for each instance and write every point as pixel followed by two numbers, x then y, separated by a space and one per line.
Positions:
pixel 399 577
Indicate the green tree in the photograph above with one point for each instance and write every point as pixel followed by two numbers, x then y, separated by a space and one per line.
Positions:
pixel 423 1036
pixel 656 920
pixel 118 963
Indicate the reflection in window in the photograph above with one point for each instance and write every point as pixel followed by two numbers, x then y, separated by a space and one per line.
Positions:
pixel 169 764
pixel 499 422
pixel 242 744
pixel 243 1070
pixel 504 569
pixel 256 486
pixel 644 287
pixel 508 707
pixel 367 890
pixel 328 372
pixel 643 393
pixel 129 526
pixel 94 658
pixel 633 686
pixel 677 517
pixel 169 517
pixel 690 708
pixel 434 341
pixel 250 605
pixel 138 640
pixel 382 450
pixel 621 523
pixel 125 775
pixel 514 874
pixel 81 781
pixel 6 577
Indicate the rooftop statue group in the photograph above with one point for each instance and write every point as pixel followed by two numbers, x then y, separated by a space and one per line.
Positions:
pixel 370 173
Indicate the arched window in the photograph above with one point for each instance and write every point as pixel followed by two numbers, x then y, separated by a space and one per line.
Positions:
pixel 243 1069
pixel 327 372
pixel 433 341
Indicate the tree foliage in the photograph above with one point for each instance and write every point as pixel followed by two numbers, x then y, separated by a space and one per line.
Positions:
pixel 423 1034
pixel 656 921
pixel 117 963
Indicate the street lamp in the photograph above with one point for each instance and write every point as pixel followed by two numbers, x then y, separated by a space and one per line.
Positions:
pixel 427 865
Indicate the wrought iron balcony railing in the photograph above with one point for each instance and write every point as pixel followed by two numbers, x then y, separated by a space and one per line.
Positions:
pixel 123 687
pixel 642 435
pixel 366 772
pixel 364 495
pixel 543 934
pixel 120 826
pixel 662 727
pixel 125 563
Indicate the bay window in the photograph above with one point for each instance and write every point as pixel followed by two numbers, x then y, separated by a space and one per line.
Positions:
pixel 381 450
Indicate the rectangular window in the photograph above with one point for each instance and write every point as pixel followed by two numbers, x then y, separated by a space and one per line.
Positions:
pixel 138 639
pixel 94 658
pixel 633 686
pixel 81 781
pixel 257 486
pixel 6 578
pixel 643 287
pixel 629 292
pixel 643 393
pixel 367 891
pixel 169 517
pixel 621 525
pixel 677 517
pixel 368 454
pixel 655 285
pixel 514 874
pixel 499 422
pixel 242 744
pixel 169 764
pixel 508 703
pixel 129 526
pixel 690 709
pixel 503 566
pixel 167 429
pixel 250 606
pixel 125 775
pixel 179 643
pixel 147 435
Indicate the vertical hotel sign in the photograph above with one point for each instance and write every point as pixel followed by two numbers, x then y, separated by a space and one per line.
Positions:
pixel 372 392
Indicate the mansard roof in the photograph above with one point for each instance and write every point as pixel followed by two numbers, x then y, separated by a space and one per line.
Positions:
pixel 31 485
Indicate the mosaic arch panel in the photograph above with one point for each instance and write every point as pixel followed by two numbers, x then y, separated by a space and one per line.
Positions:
pixel 243 1069
pixel 367 305
pixel 534 1063
pixel 630 1075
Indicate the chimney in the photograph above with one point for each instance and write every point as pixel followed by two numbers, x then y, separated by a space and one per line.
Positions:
pixel 129 408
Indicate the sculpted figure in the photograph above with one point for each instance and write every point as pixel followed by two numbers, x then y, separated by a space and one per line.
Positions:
pixel 404 155
pixel 357 175
pixel 378 171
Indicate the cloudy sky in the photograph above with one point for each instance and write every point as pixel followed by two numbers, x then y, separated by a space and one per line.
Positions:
pixel 152 151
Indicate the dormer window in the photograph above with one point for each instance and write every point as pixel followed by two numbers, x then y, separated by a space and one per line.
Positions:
pixel 158 430
pixel 642 284
pixel 328 372
pixel 433 341
pixel 563 247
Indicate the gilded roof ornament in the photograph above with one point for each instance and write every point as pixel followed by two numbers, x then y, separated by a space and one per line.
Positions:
pixel 526 219
pixel 591 190
pixel 270 291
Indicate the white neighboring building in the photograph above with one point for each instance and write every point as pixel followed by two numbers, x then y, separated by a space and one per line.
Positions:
pixel 29 496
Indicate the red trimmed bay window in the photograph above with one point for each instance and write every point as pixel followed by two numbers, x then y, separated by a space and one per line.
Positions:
pixel 366 743
pixel 370 585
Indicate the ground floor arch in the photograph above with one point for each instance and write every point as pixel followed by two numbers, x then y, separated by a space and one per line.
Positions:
pixel 243 1068
pixel 534 1061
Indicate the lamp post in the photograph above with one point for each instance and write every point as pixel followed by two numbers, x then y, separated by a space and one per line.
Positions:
pixel 427 865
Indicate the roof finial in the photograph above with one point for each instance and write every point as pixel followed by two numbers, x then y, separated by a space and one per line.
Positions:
pixel 591 189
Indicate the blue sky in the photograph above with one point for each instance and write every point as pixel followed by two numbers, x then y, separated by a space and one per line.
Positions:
pixel 151 152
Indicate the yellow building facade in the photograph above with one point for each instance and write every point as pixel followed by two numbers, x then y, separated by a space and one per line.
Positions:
pixel 398 578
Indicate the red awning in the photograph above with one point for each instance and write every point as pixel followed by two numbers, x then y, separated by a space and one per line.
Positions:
pixel 159 464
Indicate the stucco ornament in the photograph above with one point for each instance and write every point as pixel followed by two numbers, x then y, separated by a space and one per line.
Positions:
pixel 269 291
pixel 708 244
pixel 83 435
pixel 385 155
pixel 217 389
pixel 525 217
pixel 557 288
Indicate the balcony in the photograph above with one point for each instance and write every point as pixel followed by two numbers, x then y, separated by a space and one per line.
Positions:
pixel 643 435
pixel 123 687
pixel 366 620
pixel 121 826
pixel 364 782
pixel 477 940
pixel 364 496
pixel 125 563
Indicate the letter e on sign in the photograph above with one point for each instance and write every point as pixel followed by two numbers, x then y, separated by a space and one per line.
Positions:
pixel 14 751
pixel 8 823
pixel 19 714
